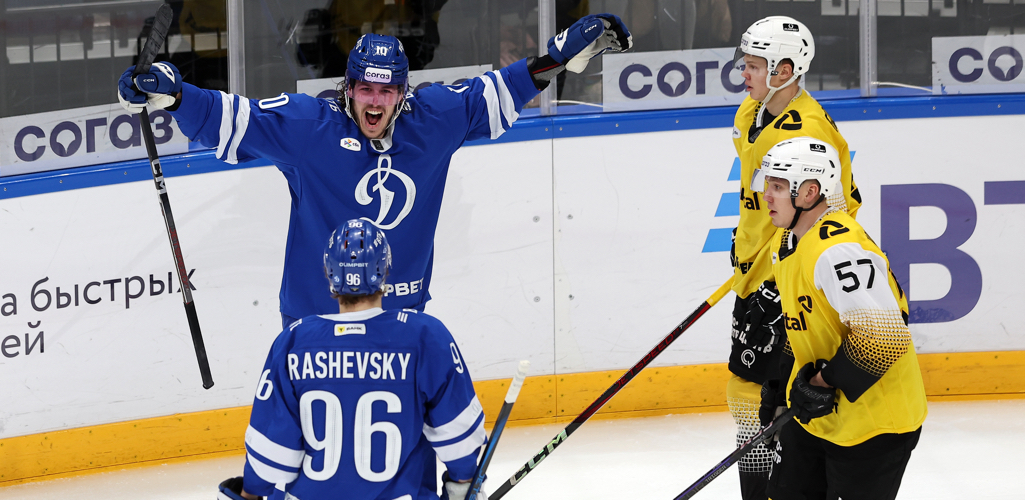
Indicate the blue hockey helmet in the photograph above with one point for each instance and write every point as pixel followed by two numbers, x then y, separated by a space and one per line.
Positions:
pixel 379 59
pixel 357 258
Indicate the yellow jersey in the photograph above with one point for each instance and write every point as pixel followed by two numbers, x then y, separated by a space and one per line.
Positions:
pixel 841 303
pixel 803 117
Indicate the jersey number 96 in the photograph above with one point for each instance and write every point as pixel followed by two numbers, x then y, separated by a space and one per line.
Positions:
pixel 364 428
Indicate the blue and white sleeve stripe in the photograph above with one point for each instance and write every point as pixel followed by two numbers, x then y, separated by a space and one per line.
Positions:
pixel 284 462
pixel 501 106
pixel 234 122
pixel 460 437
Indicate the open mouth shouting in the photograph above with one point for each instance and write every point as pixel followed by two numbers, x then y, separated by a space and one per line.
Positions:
pixel 372 118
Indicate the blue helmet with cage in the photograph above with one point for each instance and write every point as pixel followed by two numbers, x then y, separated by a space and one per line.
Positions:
pixel 357 259
pixel 377 59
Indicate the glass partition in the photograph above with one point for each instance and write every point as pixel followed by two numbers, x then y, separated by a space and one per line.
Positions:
pixel 63 54
pixel 908 28
pixel 310 39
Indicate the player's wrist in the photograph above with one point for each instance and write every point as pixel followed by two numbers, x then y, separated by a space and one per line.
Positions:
pixel 543 70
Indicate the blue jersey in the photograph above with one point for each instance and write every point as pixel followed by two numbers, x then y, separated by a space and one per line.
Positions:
pixel 335 174
pixel 357 405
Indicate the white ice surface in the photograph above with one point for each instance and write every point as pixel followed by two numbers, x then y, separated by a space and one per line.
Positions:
pixel 967 450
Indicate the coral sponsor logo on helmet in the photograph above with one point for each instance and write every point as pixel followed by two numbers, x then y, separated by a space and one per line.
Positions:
pixel 817 148
pixel 377 75
pixel 790 27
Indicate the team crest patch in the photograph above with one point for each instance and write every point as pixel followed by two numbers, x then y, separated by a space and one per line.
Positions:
pixel 736 133
pixel 350 329
pixel 351 144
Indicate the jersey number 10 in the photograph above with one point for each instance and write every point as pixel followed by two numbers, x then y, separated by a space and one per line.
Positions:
pixel 364 428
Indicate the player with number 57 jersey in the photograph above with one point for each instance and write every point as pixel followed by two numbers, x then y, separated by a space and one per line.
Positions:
pixel 358 404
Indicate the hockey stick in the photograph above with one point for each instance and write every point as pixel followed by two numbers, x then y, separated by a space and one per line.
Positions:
pixel 611 391
pixel 748 445
pixel 496 432
pixel 161 22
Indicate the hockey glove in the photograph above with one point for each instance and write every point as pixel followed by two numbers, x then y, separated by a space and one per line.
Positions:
pixel 231 489
pixel 452 490
pixel 763 322
pixel 572 49
pixel 588 37
pixel 159 87
pixel 811 401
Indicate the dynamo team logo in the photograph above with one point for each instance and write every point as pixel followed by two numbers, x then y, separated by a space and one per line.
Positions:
pixel 382 173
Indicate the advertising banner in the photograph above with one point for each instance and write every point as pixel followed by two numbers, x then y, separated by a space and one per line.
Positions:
pixel 671 79
pixel 83 136
pixel 978 64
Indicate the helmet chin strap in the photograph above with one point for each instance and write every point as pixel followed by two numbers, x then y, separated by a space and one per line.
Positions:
pixel 799 210
pixel 772 92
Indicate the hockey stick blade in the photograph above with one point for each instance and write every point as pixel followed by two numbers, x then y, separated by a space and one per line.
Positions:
pixel 611 391
pixel 161 23
pixel 734 457
pixel 157 35
pixel 496 432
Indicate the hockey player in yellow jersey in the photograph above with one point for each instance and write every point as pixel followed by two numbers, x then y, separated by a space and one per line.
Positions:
pixel 776 52
pixel 855 381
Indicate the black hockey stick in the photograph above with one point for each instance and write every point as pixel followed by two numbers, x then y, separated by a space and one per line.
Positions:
pixel 748 445
pixel 496 432
pixel 157 34
pixel 611 391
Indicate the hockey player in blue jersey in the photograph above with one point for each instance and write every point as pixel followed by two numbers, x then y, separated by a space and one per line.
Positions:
pixel 358 404
pixel 379 152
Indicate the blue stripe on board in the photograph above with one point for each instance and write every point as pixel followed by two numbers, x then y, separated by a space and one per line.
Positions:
pixel 116 173
pixel 718 240
pixel 735 170
pixel 729 204
pixel 540 128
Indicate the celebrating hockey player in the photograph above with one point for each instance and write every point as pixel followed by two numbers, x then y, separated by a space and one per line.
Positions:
pixel 776 52
pixel 856 383
pixel 358 404
pixel 378 152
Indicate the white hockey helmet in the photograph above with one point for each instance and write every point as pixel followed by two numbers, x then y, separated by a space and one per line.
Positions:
pixel 798 160
pixel 776 38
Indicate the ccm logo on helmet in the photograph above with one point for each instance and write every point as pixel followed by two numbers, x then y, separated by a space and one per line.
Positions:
pixel 377 75
pixel 814 170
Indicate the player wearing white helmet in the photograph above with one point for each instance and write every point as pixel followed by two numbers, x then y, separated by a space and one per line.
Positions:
pixel 855 380
pixel 776 53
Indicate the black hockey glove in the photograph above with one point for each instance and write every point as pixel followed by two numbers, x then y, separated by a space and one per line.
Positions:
pixel 763 322
pixel 774 403
pixel 811 401
pixel 230 489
